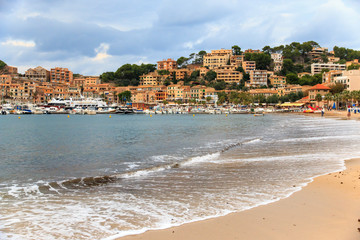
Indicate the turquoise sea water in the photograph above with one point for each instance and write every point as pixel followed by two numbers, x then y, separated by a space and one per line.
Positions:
pixel 95 177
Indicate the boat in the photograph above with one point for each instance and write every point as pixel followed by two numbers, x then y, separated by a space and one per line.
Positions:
pixel 78 102
pixel 124 110
pixel 258 114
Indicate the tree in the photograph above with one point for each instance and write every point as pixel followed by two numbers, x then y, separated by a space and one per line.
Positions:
pixel 181 62
pixel 353 67
pixel 200 57
pixel 222 97
pixel 174 80
pixel 292 78
pixel 107 77
pixel 163 72
pixel 208 99
pixel 210 76
pixel 236 50
pixel 221 85
pixel 288 67
pixel 328 97
pixel 125 96
pixel 263 60
pixel 337 88
pixel 167 82
pixel 267 49
pixel 318 98
pixel 2 66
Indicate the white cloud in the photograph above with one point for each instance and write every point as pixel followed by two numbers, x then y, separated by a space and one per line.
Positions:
pixel 18 43
pixel 102 52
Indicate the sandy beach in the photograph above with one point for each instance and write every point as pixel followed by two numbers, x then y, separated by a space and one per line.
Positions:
pixel 327 208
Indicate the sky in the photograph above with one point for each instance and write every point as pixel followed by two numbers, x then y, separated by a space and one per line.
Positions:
pixel 95 36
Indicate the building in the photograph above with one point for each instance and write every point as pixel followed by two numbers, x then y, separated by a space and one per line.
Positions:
pixel 180 74
pixel 199 92
pixel 38 74
pixel 317 52
pixel 217 58
pixel 300 75
pixel 318 89
pixel 203 71
pixel 350 78
pixel 252 51
pixel 278 61
pixel 277 81
pixel 333 59
pixel 152 78
pixel 228 75
pixel 248 66
pixel 11 70
pixel 316 68
pixel 290 89
pixel 328 77
pixel 258 78
pixel 264 92
pixel 61 75
pixel 168 64
pixel 236 60
pixel 353 62
pixel 177 92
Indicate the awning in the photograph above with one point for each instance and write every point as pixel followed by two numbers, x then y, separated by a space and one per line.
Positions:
pixel 291 104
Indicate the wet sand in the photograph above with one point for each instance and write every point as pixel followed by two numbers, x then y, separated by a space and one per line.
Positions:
pixel 327 208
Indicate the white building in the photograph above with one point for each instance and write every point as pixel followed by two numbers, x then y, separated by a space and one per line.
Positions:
pixel 316 68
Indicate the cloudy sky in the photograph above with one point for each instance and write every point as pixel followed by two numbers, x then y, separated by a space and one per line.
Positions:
pixel 94 36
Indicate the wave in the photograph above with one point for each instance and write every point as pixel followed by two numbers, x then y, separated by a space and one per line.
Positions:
pixel 59 187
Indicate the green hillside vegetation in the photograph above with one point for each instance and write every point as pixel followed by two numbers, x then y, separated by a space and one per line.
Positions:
pixel 296 59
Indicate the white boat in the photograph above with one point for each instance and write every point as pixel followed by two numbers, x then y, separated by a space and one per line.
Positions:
pixel 80 102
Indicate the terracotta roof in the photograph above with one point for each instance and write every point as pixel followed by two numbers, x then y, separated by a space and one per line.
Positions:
pixel 319 87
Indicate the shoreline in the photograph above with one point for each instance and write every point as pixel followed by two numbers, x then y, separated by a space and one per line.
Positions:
pixel 326 208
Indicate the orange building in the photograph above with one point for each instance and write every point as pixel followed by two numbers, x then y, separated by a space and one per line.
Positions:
pixel 61 75
pixel 318 89
pixel 168 64
pixel 248 66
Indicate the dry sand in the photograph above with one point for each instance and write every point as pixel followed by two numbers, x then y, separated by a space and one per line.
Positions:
pixel 328 208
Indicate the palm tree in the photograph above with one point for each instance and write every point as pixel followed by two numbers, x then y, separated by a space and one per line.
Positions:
pixel 337 98
pixel 328 97
pixel 318 98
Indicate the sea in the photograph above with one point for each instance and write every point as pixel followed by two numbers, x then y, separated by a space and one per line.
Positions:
pixel 102 177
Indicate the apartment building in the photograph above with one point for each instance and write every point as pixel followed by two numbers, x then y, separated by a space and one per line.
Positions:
pixel 229 75
pixel 61 75
pixel 180 74
pixel 11 70
pixel 177 92
pixel 277 81
pixel 285 90
pixel 328 77
pixel 5 78
pixel 353 62
pixel 152 78
pixel 318 89
pixel 317 52
pixel 198 92
pixel 350 78
pixel 38 74
pixel 168 64
pixel 264 92
pixel 236 60
pixel 258 78
pixel 248 66
pixel 252 51
pixel 316 68
pixel 217 58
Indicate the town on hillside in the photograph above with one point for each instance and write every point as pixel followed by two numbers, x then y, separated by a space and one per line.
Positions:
pixel 299 73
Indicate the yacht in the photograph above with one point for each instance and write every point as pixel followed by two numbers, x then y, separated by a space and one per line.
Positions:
pixel 81 102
